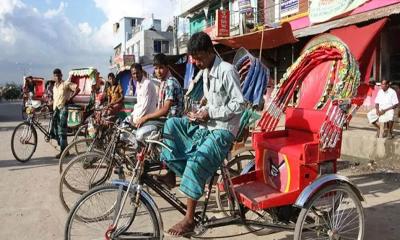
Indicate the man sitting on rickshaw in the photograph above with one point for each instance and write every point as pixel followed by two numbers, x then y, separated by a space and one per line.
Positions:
pixel 203 139
pixel 29 87
pixel 146 95
pixel 115 96
pixel 170 95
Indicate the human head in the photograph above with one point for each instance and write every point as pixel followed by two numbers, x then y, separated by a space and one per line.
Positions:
pixel 160 64
pixel 112 79
pixel 201 48
pixel 57 75
pixel 137 72
pixel 385 85
pixel 29 78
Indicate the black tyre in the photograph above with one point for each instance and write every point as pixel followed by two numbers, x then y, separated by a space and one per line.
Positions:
pixel 334 212
pixel 94 213
pixel 82 173
pixel 74 149
pixel 239 164
pixel 23 142
pixel 81 133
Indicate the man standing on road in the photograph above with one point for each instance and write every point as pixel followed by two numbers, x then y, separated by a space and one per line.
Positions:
pixel 63 93
pixel 385 103
pixel 198 149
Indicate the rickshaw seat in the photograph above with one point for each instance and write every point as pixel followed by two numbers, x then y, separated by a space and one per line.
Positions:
pixel 301 130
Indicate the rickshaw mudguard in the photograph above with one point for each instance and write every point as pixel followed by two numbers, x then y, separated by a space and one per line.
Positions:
pixel 322 181
pixel 147 197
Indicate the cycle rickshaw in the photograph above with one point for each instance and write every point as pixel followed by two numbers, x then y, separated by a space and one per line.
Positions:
pixel 293 185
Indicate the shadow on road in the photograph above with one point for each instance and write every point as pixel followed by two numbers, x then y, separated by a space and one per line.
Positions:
pixel 33 163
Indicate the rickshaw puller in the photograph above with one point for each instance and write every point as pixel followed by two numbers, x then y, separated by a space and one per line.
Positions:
pixel 198 150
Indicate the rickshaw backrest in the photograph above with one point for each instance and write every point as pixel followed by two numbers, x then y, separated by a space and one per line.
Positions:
pixel 307 120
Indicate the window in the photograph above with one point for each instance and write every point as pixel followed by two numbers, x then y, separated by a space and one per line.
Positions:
pixel 161 46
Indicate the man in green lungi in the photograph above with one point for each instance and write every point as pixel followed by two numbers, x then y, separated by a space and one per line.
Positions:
pixel 63 92
pixel 203 139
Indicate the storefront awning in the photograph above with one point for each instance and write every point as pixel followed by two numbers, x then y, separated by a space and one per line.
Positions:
pixel 350 20
pixel 273 38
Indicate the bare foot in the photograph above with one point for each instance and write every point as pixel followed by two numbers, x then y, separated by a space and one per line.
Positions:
pixel 183 228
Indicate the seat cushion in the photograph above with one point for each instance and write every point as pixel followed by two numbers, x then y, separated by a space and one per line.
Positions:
pixel 292 144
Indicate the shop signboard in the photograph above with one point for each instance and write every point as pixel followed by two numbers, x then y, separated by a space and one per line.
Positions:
pixel 223 23
pixel 323 10
pixel 289 7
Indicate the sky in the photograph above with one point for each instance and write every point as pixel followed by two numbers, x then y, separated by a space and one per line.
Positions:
pixel 37 36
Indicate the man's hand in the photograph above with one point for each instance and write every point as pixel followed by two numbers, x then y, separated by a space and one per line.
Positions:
pixel 199 116
pixel 381 112
pixel 141 121
pixel 202 116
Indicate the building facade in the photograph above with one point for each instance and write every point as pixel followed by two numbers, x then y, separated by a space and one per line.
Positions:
pixel 137 40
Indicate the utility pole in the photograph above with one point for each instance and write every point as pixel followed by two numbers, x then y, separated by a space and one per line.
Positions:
pixel 175 34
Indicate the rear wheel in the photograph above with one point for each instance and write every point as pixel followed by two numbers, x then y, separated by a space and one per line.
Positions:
pixel 81 133
pixel 334 212
pixel 239 164
pixel 82 173
pixel 23 142
pixel 75 148
pixel 96 210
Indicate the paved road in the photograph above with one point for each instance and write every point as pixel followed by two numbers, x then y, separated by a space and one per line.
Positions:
pixel 30 208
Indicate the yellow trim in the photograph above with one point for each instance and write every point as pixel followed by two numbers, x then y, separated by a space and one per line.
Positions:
pixel 288 172
pixel 294 17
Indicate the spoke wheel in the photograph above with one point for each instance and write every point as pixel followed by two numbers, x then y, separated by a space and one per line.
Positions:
pixel 23 142
pixel 239 164
pixel 95 211
pixel 74 149
pixel 82 173
pixel 333 213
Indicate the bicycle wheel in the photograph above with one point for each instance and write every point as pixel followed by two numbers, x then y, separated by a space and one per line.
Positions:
pixel 334 212
pixel 82 173
pixel 75 148
pixel 93 214
pixel 239 164
pixel 23 142
pixel 81 133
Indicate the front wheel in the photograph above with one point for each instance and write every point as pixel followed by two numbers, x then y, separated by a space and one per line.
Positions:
pixel 82 173
pixel 23 142
pixel 334 212
pixel 96 210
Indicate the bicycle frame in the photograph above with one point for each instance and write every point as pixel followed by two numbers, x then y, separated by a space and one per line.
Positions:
pixel 34 122
pixel 142 177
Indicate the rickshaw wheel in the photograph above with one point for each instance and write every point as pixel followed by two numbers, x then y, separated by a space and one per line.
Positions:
pixel 334 212
pixel 260 216
pixel 23 142
pixel 239 164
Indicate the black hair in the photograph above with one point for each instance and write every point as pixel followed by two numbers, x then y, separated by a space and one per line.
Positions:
pixel 137 66
pixel 160 59
pixel 112 75
pixel 57 71
pixel 199 42
pixel 29 77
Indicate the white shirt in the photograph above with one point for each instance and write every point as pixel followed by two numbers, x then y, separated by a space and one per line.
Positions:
pixel 386 99
pixel 146 99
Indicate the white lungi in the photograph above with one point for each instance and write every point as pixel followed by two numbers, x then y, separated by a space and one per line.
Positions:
pixel 373 117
